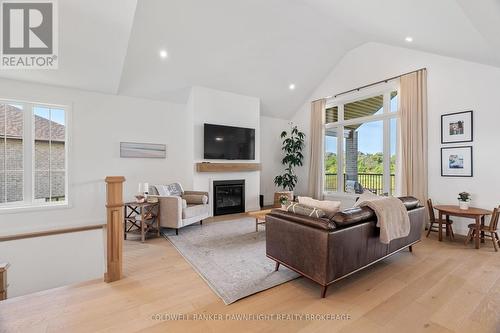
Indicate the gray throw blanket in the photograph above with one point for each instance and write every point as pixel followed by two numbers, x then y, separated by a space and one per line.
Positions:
pixel 392 217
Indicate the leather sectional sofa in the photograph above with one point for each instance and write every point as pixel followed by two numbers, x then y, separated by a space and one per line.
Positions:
pixel 326 250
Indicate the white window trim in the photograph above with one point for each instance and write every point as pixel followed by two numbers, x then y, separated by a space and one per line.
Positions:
pixel 28 204
pixel 383 89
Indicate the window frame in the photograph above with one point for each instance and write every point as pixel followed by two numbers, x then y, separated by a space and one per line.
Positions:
pixel 29 203
pixel 386 116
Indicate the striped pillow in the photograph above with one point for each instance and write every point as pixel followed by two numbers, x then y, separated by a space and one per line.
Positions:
pixel 300 209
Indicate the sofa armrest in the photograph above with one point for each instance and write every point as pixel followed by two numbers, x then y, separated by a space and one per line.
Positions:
pixel 170 211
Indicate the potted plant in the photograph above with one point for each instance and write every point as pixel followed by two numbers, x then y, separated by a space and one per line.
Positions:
pixel 293 143
pixel 464 200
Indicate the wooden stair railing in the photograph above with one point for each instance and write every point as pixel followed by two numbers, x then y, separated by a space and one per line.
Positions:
pixel 3 281
pixel 114 228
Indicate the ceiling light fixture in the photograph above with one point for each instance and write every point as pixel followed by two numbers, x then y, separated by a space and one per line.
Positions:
pixel 291 86
pixel 163 54
pixel 409 39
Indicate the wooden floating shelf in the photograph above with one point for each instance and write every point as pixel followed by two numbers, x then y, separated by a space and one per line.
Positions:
pixel 227 167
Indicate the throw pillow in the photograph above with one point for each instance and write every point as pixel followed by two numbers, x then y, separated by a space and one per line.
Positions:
pixel 301 209
pixel 175 189
pixel 162 190
pixel 328 206
pixel 195 199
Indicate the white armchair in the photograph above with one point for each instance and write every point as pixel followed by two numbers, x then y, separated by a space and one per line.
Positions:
pixel 179 208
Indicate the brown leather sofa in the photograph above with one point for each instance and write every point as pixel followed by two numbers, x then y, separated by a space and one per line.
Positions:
pixel 326 250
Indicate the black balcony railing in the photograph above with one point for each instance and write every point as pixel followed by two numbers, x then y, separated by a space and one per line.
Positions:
pixel 370 181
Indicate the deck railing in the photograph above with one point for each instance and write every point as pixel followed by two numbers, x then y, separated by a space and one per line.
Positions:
pixel 371 181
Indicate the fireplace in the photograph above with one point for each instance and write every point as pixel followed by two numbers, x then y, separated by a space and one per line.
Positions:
pixel 229 196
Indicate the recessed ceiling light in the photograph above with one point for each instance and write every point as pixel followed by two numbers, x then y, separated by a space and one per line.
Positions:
pixel 163 54
pixel 291 86
pixel 409 39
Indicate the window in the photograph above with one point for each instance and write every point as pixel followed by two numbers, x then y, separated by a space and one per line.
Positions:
pixel 360 143
pixel 33 154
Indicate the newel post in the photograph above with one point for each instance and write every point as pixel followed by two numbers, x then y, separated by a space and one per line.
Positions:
pixel 114 228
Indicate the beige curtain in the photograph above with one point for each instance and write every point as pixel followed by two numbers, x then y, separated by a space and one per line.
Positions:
pixel 316 149
pixel 413 148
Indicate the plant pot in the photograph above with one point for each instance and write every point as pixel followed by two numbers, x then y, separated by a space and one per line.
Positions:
pixel 277 196
pixel 464 204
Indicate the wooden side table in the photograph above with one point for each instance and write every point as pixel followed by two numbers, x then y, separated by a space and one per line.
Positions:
pixel 141 216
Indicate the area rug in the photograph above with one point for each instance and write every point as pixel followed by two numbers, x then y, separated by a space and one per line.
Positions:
pixel 230 256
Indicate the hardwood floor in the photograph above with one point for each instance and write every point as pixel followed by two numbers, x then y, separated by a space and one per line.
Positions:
pixel 440 287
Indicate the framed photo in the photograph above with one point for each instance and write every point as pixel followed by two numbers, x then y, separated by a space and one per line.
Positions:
pixel 456 127
pixel 456 161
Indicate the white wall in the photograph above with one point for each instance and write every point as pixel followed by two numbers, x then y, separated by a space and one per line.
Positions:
pixel 271 155
pixel 453 85
pixel 98 123
pixel 224 108
pixel 47 262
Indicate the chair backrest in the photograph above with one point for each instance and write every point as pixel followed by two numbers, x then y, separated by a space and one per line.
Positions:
pixel 494 219
pixel 432 217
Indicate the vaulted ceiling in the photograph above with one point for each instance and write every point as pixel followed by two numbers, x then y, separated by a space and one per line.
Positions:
pixel 250 47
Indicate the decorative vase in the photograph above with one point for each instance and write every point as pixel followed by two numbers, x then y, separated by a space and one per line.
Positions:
pixel 463 204
pixel 140 198
pixel 277 196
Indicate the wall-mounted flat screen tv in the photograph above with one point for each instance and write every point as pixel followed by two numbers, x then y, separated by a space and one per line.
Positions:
pixel 229 143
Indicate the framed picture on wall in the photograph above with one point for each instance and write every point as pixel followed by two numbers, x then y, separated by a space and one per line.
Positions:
pixel 457 127
pixel 456 161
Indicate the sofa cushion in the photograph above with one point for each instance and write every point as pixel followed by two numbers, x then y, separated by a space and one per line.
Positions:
pixel 195 198
pixel 194 210
pixel 300 209
pixel 352 216
pixel 329 207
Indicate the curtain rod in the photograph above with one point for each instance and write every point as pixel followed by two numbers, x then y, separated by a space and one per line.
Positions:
pixel 371 84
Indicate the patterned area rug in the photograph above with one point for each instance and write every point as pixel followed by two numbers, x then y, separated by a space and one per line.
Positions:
pixel 230 256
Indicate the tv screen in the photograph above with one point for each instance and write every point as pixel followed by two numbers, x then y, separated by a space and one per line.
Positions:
pixel 229 143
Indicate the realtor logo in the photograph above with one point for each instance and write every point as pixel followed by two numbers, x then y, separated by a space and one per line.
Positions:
pixel 29 34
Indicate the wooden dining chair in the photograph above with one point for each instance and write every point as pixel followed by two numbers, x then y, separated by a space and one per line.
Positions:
pixel 491 229
pixel 434 223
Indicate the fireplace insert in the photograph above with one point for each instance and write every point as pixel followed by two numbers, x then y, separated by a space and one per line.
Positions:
pixel 229 197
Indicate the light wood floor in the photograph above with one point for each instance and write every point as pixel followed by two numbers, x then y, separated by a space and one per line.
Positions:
pixel 440 287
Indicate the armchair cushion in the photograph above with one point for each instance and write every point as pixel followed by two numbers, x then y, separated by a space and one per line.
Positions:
pixel 195 199
pixel 194 210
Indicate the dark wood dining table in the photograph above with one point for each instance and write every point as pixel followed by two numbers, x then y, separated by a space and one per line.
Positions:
pixel 477 214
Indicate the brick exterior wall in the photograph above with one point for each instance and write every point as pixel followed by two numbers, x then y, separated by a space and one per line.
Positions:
pixel 351 155
pixel 11 178
pixel 12 175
